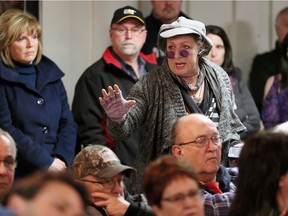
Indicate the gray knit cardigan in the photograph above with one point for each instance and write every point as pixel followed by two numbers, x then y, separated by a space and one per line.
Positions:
pixel 158 103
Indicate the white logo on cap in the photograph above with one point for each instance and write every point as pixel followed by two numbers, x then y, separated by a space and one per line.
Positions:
pixel 107 156
pixel 129 11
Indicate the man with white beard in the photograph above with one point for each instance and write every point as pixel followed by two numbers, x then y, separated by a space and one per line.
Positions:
pixel 123 64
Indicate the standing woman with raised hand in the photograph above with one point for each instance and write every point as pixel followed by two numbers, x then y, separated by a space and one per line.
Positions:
pixel 33 105
pixel 185 83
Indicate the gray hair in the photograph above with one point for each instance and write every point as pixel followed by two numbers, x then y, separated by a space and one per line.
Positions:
pixel 6 137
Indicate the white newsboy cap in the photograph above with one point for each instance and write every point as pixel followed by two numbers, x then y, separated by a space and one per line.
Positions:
pixel 183 26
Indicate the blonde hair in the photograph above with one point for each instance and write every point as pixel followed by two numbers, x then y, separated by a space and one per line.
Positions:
pixel 13 24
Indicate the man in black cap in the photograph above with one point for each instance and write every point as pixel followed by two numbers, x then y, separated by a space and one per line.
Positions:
pixel 101 172
pixel 163 12
pixel 122 64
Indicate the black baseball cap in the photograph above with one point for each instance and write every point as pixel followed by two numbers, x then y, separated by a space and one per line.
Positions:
pixel 127 12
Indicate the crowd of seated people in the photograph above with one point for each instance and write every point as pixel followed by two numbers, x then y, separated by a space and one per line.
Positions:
pixel 177 138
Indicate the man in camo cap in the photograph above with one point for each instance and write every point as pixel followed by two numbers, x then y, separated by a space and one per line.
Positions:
pixel 101 172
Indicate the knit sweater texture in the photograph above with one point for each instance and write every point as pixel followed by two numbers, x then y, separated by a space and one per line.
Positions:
pixel 158 103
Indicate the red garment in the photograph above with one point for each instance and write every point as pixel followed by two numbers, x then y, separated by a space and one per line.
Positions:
pixel 214 186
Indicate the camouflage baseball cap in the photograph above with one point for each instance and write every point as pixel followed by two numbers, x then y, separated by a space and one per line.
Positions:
pixel 99 161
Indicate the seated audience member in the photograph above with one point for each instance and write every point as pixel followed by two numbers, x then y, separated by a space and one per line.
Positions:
pixel 268 64
pixel 262 183
pixel 101 172
pixel 195 138
pixel 163 12
pixel 121 63
pixel 275 102
pixel 7 162
pixel 172 188
pixel 47 194
pixel 282 128
pixel 221 54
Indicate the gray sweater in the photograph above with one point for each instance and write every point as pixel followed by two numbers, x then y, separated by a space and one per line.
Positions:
pixel 158 103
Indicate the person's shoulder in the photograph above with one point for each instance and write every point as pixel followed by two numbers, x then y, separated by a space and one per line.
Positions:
pixel 237 74
pixel 149 18
pixel 149 58
pixel 219 70
pixel 265 56
pixel 47 61
pixel 93 70
pixel 49 64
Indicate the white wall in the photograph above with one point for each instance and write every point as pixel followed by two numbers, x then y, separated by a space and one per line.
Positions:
pixel 75 33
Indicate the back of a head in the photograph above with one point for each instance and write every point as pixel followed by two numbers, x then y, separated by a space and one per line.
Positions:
pixel 263 161
pixel 29 187
pixel 160 173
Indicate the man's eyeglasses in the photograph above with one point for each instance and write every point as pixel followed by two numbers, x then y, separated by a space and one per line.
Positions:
pixel 179 198
pixel 171 55
pixel 9 163
pixel 204 141
pixel 109 183
pixel 124 31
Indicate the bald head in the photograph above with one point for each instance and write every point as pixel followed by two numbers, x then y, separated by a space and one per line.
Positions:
pixel 189 125
pixel 195 138
pixel 7 162
pixel 8 141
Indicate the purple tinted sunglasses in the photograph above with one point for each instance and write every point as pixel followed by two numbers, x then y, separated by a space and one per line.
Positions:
pixel 171 54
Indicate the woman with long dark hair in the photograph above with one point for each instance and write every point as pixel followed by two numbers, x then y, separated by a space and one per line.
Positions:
pixel 221 54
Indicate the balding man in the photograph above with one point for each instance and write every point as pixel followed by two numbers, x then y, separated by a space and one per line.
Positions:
pixel 7 162
pixel 196 139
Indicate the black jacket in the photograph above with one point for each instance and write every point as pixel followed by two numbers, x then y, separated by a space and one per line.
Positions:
pixel 89 114
pixel 263 66
pixel 153 25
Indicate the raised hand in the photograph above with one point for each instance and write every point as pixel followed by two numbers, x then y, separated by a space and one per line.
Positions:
pixel 115 106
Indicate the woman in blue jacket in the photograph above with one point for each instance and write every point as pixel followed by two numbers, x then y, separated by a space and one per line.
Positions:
pixel 33 105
